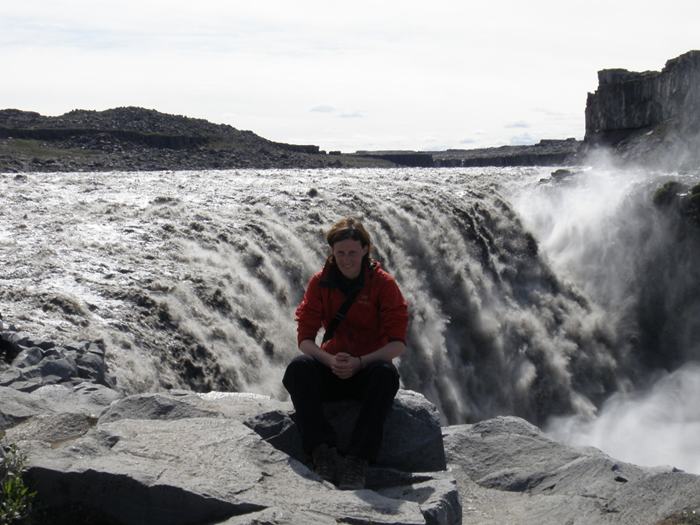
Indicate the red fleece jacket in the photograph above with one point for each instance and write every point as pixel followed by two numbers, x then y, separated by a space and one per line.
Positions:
pixel 378 315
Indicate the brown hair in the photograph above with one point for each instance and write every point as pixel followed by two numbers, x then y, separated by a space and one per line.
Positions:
pixel 349 228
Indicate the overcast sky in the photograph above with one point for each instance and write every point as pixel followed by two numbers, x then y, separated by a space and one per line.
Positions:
pixel 343 75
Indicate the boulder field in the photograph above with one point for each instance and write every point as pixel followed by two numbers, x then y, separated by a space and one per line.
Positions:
pixel 98 456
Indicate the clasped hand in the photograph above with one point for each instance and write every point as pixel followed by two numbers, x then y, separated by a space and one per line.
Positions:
pixel 345 365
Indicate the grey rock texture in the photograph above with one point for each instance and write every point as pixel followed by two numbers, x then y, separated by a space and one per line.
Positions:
pixel 85 399
pixel 508 471
pixel 188 458
pixel 412 434
pixel 31 364
pixel 181 457
pixel 194 470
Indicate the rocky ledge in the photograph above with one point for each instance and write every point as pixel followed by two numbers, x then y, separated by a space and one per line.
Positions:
pixel 138 139
pixel 98 456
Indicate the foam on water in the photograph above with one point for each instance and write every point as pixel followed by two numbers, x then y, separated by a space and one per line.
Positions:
pixel 602 232
pixel 526 298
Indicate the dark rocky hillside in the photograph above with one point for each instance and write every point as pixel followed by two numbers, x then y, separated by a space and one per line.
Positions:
pixel 140 139
pixel 651 118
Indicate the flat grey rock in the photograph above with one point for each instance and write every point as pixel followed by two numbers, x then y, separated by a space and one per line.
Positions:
pixel 195 470
pixel 16 407
pixel 153 406
pixel 51 428
pixel 86 398
pixel 274 516
pixel 507 469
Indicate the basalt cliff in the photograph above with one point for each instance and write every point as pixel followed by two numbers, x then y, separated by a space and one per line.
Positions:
pixel 652 117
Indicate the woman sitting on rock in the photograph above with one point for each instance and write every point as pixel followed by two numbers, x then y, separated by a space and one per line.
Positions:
pixel 364 316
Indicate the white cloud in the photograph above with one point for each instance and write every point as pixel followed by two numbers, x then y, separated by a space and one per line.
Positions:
pixel 524 139
pixel 518 124
pixel 323 109
pixel 262 65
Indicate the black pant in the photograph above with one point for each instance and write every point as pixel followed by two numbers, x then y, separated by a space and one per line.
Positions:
pixel 310 383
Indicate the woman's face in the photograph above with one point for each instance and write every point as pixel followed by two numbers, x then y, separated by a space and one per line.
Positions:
pixel 348 256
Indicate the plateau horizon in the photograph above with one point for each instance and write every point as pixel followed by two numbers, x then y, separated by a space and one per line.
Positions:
pixel 446 75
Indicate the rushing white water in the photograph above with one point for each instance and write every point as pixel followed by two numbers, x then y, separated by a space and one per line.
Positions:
pixel 602 231
pixel 658 426
pixel 526 298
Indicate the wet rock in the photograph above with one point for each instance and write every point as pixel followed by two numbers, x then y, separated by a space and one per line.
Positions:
pixel 16 407
pixel 19 338
pixel 28 357
pixel 674 197
pixel 92 366
pixel 96 348
pixel 9 349
pixel 10 376
pixel 30 385
pixel 668 193
pixel 45 345
pixel 35 363
pixel 60 368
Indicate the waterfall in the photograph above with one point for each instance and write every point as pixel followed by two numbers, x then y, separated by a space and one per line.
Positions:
pixel 630 239
pixel 191 278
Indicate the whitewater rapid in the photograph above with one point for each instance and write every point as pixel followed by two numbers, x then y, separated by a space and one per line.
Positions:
pixel 519 305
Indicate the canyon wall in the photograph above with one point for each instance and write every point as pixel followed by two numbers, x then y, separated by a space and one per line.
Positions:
pixel 628 103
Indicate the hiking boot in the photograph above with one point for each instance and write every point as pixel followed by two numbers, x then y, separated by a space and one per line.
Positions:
pixel 325 462
pixel 352 474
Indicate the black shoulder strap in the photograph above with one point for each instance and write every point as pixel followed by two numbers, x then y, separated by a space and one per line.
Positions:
pixel 340 314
